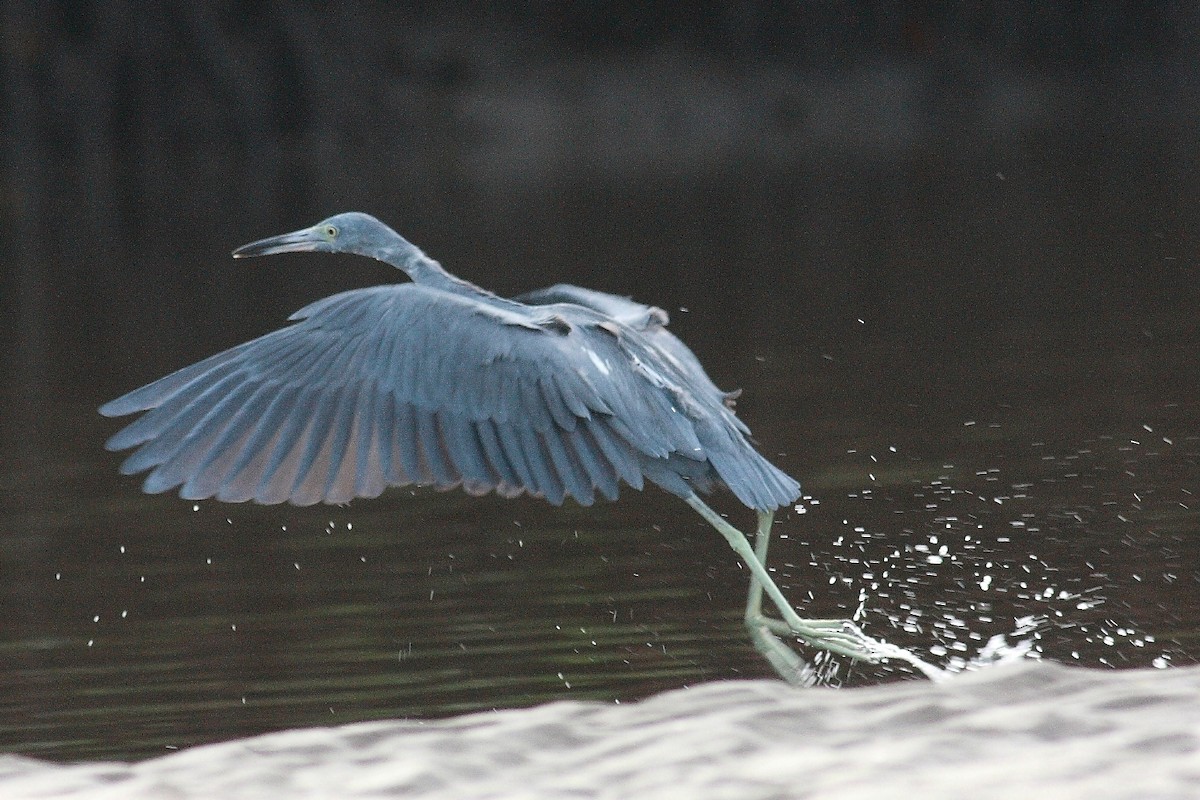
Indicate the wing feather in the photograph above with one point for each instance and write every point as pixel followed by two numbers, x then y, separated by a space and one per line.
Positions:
pixel 575 481
pixel 367 475
pixel 389 472
pixel 314 461
pixel 345 425
pixel 514 452
pixel 432 452
pixel 246 472
pixel 464 450
pixel 622 457
pixel 198 450
pixel 151 395
pixel 533 406
pixel 279 473
pixel 551 396
pixel 224 453
pixel 407 384
pixel 600 473
pixel 174 430
pixel 405 453
pixel 545 479
pixel 485 430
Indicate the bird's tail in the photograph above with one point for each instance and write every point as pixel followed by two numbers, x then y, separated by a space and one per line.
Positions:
pixel 755 481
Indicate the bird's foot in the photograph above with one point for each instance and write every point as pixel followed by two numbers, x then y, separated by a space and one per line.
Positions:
pixel 843 637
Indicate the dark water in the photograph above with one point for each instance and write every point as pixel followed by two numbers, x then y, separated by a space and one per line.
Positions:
pixel 136 624
pixel 981 365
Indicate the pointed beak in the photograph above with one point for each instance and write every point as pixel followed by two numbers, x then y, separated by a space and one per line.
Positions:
pixel 302 241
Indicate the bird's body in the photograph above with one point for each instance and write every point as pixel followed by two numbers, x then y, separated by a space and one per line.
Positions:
pixel 440 383
pixel 563 392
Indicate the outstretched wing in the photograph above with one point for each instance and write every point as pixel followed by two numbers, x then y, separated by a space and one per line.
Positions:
pixel 404 384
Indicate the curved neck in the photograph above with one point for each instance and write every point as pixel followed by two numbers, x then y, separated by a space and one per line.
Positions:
pixel 404 255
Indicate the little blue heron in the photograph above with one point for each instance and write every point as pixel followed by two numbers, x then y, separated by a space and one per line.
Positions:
pixel 560 392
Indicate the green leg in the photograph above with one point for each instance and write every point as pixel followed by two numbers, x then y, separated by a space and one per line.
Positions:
pixel 839 636
pixel 762 540
pixel 783 658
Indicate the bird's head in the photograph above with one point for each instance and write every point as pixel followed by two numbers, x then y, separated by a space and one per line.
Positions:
pixel 352 232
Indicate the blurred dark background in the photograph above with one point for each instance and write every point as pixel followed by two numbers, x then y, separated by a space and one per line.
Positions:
pixel 887 221
pixel 928 166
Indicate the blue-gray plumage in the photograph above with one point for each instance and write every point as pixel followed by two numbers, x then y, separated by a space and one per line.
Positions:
pixel 562 392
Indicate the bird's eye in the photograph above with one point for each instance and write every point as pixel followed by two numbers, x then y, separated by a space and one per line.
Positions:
pixel 331 231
